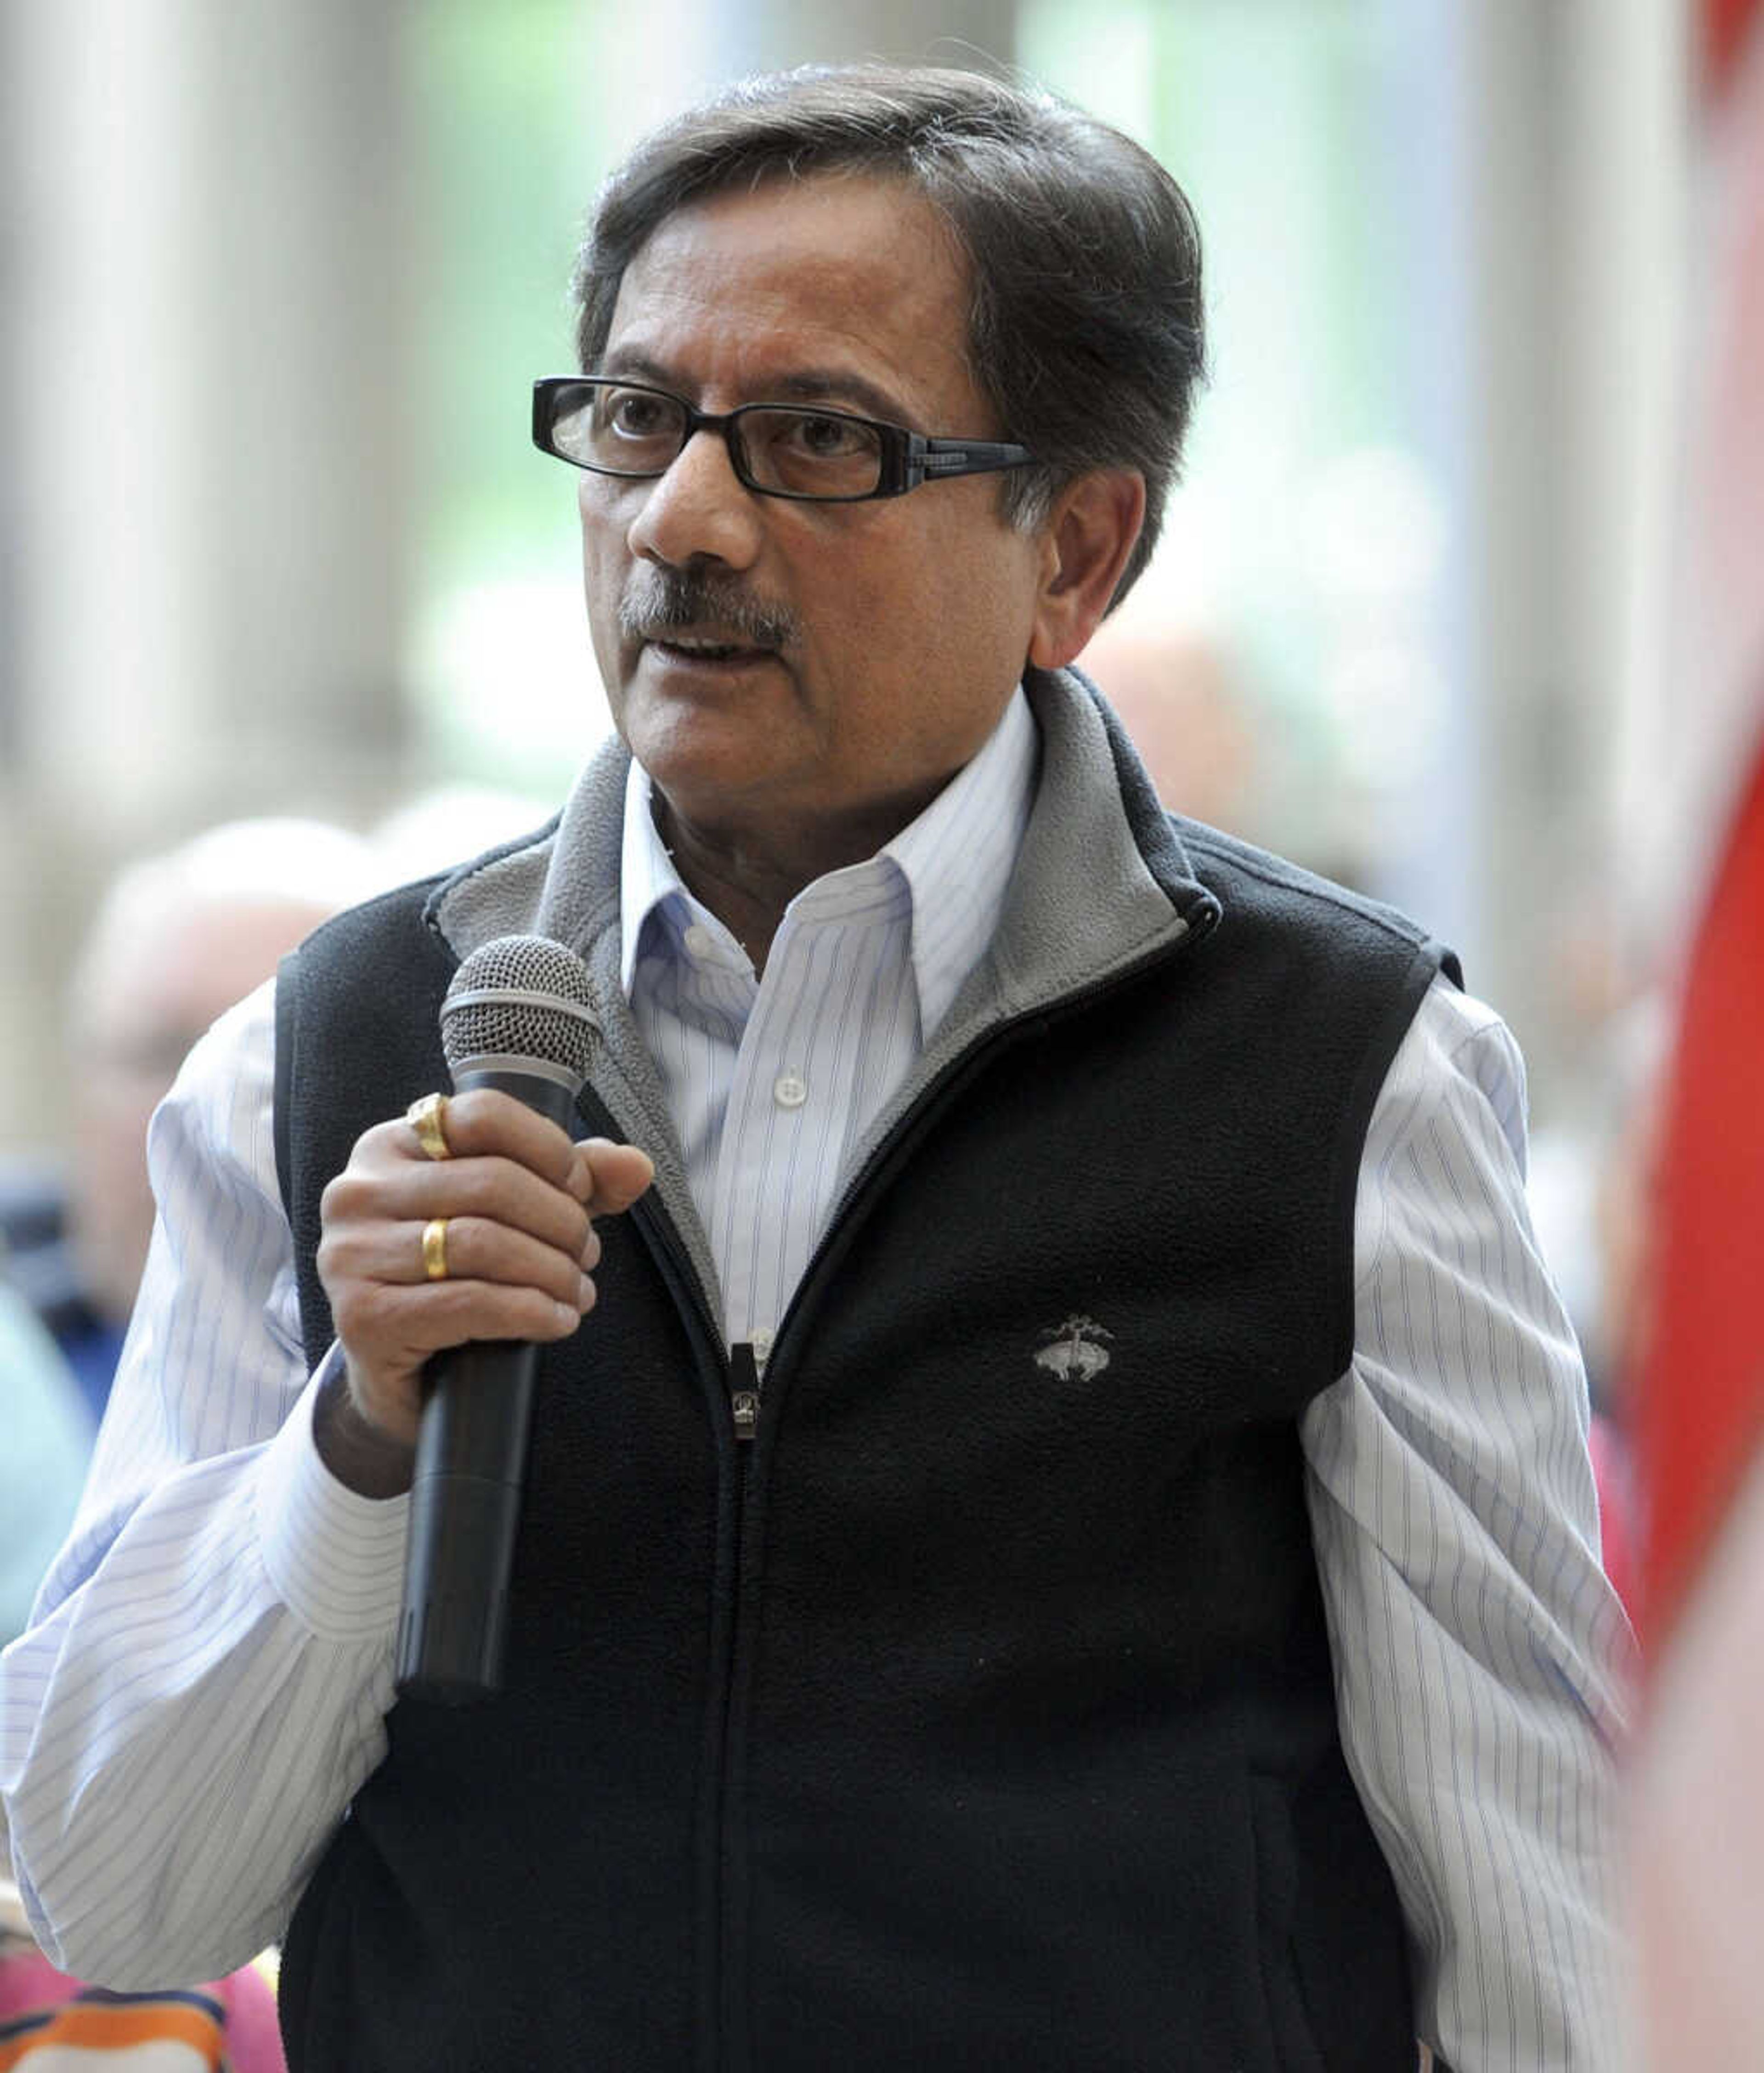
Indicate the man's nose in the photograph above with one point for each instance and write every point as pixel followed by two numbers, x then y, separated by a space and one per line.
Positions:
pixel 700 509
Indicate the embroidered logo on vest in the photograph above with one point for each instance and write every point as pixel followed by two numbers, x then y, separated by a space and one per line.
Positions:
pixel 1075 1352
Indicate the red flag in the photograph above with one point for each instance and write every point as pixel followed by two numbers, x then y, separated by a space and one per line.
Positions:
pixel 1702 1402
pixel 1701 1399
pixel 1725 27
pixel 1697 1788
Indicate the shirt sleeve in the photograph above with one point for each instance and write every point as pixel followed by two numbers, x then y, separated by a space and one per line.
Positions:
pixel 203 1689
pixel 1481 1659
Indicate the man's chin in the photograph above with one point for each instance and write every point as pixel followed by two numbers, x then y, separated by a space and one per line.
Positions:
pixel 703 761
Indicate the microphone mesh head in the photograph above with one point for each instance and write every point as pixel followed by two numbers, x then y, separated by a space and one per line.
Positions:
pixel 532 1002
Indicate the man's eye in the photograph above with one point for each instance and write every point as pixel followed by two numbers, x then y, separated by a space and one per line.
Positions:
pixel 636 417
pixel 831 439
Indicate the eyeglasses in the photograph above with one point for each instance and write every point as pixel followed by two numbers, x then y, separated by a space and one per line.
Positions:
pixel 820 456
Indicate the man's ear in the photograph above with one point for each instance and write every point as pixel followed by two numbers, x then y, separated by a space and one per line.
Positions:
pixel 1086 542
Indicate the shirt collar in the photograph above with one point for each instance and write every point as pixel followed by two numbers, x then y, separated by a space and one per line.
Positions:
pixel 956 859
pixel 647 878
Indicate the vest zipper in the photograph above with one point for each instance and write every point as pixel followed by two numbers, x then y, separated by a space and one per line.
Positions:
pixel 732 2049
pixel 714 1361
pixel 723 2042
pixel 743 1389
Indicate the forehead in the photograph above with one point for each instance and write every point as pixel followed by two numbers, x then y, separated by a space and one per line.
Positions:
pixel 850 281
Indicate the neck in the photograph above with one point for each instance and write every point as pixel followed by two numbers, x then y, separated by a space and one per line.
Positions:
pixel 747 884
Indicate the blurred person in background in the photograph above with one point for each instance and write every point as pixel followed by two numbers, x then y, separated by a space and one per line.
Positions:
pixel 178 937
pixel 1068 1541
pixel 50 2023
pixel 1182 699
pixel 432 831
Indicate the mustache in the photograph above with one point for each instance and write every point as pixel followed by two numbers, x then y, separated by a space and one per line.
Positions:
pixel 657 602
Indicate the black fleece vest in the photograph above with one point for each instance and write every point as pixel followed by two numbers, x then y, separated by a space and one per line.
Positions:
pixel 978 1713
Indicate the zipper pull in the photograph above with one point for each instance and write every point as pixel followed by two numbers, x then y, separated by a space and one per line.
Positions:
pixel 743 1389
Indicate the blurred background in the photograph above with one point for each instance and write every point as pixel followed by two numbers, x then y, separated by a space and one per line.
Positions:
pixel 273 539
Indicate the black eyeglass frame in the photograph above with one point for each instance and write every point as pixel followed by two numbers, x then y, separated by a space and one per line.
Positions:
pixel 906 458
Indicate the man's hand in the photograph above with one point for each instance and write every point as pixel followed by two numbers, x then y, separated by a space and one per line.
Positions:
pixel 519 1198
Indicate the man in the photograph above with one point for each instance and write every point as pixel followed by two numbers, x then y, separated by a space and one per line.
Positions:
pixel 1066 1539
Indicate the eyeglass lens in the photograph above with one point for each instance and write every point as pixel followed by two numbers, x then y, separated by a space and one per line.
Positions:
pixel 632 431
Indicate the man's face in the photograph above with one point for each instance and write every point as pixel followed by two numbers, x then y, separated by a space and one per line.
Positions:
pixel 905 623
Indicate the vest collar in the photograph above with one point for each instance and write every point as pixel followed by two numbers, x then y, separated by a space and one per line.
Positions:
pixel 1102 878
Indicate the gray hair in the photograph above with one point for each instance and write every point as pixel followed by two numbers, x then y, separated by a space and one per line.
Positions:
pixel 1085 328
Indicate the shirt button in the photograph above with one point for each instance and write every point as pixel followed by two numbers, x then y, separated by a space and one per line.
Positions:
pixel 790 1091
pixel 760 1341
pixel 699 942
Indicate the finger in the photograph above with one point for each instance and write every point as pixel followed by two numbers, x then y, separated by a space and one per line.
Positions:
pixel 617 1174
pixel 495 1189
pixel 485 1122
pixel 474 1251
pixel 397 1327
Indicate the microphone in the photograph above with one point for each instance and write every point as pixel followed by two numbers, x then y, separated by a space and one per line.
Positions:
pixel 518 1017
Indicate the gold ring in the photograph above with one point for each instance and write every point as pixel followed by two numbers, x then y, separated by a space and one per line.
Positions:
pixel 428 1116
pixel 434 1249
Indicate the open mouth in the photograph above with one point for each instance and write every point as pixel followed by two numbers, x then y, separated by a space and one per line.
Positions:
pixel 697 648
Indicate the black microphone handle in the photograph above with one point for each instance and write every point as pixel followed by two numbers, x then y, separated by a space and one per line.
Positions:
pixel 466 1492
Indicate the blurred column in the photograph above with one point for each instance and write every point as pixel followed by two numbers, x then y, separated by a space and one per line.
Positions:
pixel 1577 116
pixel 208 241
pixel 203 356
pixel 1628 196
pixel 1528 723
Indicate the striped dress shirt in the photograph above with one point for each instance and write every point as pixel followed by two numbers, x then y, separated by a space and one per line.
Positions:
pixel 772 1086
pixel 206 1685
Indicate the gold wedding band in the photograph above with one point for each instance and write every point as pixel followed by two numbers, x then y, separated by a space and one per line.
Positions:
pixel 428 1116
pixel 434 1249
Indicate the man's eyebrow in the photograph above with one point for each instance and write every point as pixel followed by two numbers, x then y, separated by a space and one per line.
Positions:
pixel 840 387
pixel 836 386
pixel 633 367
